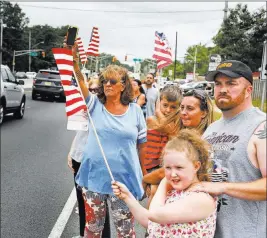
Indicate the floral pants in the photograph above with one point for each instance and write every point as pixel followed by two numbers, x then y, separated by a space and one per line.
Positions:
pixel 95 210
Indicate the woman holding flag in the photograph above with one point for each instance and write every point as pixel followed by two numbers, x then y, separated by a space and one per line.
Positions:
pixel 121 129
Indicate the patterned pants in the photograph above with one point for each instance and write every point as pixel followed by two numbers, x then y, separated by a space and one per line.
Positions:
pixel 95 209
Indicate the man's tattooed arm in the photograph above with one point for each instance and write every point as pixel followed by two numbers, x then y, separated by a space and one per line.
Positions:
pixel 261 133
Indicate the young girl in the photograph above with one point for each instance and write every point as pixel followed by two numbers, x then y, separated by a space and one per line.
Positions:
pixel 175 210
pixel 161 128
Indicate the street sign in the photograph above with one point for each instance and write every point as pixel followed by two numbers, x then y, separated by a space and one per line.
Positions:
pixel 215 60
pixel 34 54
pixel 137 60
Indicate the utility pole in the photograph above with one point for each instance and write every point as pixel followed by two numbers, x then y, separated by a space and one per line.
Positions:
pixel 195 63
pixel 1 49
pixel 174 73
pixel 225 10
pixel 30 59
pixel 96 65
pixel 13 61
pixel 1 40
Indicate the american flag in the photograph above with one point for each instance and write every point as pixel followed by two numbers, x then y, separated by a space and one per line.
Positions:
pixel 81 50
pixel 93 48
pixel 162 51
pixel 74 100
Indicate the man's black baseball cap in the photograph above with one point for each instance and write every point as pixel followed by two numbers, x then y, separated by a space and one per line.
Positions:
pixel 232 69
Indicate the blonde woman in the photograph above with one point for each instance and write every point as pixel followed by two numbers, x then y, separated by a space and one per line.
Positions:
pixel 196 112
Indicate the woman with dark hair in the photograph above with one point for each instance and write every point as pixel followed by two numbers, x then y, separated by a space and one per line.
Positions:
pixel 139 96
pixel 121 129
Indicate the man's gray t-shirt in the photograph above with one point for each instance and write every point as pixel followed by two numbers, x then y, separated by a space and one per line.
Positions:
pixel 229 139
pixel 152 95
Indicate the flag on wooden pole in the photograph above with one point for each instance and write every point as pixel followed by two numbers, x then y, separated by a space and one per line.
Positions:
pixel 81 50
pixel 93 48
pixel 74 100
pixel 162 51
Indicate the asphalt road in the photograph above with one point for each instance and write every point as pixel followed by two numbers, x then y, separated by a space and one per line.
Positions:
pixel 35 179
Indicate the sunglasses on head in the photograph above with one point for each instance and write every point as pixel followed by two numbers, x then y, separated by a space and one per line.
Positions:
pixel 195 92
pixel 94 90
pixel 111 81
pixel 200 94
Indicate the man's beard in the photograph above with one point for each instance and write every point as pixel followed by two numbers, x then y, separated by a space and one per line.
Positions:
pixel 148 82
pixel 231 104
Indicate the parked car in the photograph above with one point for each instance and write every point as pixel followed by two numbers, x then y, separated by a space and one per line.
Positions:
pixel 30 75
pixel 201 85
pixel 47 83
pixel 180 81
pixel 13 97
pixel 21 75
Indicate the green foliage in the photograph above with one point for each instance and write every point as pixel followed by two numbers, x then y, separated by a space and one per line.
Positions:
pixel 180 73
pixel 147 65
pixel 242 35
pixel 105 60
pixel 51 38
pixel 16 22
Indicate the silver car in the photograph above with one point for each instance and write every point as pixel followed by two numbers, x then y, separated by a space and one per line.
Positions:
pixel 13 97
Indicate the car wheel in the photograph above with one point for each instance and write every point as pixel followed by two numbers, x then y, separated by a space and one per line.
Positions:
pixel 2 114
pixel 34 97
pixel 62 99
pixel 20 112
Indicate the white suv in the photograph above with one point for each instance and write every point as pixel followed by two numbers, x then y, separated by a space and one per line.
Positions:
pixel 13 97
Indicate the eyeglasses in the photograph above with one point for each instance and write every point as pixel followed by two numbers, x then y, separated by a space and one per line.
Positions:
pixel 94 90
pixel 111 81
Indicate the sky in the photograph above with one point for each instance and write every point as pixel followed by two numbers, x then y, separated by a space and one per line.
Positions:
pixel 129 27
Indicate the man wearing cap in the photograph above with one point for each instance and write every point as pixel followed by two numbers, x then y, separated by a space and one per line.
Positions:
pixel 239 154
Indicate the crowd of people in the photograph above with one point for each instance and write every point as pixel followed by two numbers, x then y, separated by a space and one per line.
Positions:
pixel 202 178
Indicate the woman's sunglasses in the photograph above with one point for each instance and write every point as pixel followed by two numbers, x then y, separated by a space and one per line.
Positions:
pixel 111 81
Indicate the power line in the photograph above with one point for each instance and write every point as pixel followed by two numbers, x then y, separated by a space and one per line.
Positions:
pixel 116 11
pixel 163 24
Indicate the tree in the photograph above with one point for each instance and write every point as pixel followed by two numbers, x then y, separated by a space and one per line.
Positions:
pixel 104 62
pixel 45 37
pixel 147 65
pixel 15 21
pixel 180 73
pixel 202 58
pixel 242 35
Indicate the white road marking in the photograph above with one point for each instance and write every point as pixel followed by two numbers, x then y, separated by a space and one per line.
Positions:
pixel 64 216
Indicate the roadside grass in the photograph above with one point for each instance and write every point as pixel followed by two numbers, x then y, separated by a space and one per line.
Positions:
pixel 257 103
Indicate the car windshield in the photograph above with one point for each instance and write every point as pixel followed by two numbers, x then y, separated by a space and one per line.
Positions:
pixel 48 75
pixel 190 84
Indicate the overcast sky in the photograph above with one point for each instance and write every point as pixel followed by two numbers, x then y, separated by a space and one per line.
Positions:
pixel 133 33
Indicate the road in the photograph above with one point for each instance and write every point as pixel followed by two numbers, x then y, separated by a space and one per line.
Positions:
pixel 35 180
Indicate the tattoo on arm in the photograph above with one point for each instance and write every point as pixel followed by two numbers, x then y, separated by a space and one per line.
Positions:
pixel 261 133
pixel 79 75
